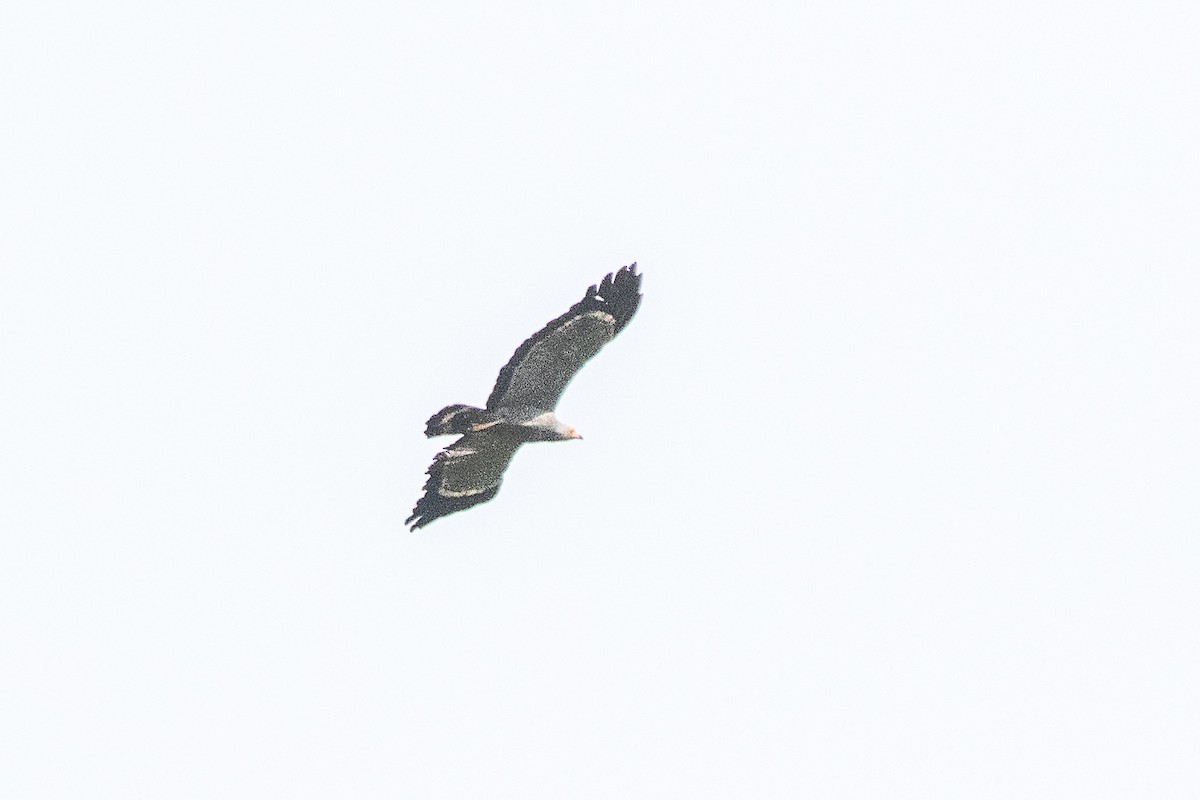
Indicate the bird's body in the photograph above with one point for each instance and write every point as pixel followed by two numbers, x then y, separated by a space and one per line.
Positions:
pixel 521 407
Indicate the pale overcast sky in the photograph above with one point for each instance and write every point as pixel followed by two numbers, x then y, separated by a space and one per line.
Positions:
pixel 890 489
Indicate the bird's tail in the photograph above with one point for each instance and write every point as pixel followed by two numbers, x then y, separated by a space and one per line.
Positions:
pixel 457 419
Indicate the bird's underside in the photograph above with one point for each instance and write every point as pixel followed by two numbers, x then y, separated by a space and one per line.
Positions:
pixel 521 407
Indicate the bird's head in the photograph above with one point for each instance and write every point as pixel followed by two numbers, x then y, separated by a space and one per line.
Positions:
pixel 564 431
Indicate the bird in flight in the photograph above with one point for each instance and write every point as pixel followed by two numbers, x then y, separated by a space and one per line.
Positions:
pixel 521 407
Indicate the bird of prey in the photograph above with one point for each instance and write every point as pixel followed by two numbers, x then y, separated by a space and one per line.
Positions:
pixel 521 406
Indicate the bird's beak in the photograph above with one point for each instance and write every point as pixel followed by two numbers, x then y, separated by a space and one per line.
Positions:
pixel 575 434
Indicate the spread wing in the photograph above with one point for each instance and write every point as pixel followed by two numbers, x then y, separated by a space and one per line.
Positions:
pixel 542 367
pixel 467 473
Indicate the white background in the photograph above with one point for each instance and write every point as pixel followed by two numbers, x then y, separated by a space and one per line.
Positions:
pixel 889 490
